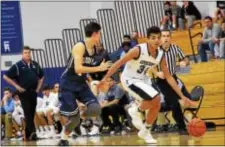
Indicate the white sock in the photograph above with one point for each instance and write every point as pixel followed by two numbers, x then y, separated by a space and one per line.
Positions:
pixel 64 136
pixel 148 126
pixel 174 25
pixel 52 128
pixel 46 128
pixel 41 128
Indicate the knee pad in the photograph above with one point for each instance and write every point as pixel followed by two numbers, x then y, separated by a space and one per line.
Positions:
pixel 93 110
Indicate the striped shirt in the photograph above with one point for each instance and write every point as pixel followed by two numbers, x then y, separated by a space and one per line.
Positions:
pixel 172 54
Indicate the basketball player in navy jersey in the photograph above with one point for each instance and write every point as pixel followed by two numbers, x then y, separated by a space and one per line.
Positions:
pixel 73 82
pixel 138 61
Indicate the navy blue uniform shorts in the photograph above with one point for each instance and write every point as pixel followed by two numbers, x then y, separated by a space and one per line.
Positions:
pixel 71 91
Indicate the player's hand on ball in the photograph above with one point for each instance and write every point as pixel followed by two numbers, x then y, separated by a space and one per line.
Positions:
pixel 105 65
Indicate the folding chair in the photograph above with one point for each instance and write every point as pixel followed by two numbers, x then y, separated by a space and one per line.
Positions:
pixel 197 94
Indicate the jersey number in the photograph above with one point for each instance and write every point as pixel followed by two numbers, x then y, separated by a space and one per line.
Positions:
pixel 142 69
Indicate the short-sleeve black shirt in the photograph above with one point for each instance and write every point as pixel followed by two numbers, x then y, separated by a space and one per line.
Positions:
pixel 26 76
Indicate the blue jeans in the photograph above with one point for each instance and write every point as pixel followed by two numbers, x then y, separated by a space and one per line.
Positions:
pixel 202 50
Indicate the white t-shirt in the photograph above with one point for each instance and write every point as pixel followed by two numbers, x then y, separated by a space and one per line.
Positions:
pixel 137 68
pixel 39 104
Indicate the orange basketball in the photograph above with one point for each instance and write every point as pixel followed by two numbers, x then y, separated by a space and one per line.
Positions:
pixel 196 127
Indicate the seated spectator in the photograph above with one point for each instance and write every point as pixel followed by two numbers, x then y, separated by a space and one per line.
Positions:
pixel 211 36
pixel 112 106
pixel 7 108
pixel 126 47
pixel 168 15
pixel 220 47
pixel 172 14
pixel 190 13
pixel 49 109
pixel 220 11
pixel 116 55
pixel 18 116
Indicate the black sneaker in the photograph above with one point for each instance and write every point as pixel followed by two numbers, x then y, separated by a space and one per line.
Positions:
pixel 117 130
pixel 63 143
pixel 33 137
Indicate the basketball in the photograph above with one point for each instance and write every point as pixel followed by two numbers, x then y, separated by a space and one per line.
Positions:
pixel 196 127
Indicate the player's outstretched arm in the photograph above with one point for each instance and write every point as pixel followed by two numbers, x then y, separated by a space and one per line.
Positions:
pixel 77 53
pixel 132 54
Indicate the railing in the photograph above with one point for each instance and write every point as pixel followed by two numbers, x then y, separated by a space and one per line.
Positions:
pixel 191 36
pixel 70 36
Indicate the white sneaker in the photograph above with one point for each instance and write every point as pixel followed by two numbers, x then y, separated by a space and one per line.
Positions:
pixel 50 134
pixel 94 130
pixel 146 135
pixel 136 116
pixel 83 130
pixel 72 133
pixel 41 135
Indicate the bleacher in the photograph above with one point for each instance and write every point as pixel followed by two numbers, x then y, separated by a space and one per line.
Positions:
pixel 210 75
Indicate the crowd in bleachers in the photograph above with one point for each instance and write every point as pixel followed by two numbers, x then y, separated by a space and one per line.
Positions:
pixel 113 99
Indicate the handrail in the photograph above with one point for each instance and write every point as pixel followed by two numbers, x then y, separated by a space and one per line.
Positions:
pixel 193 36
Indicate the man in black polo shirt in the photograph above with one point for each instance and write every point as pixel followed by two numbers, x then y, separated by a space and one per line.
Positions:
pixel 27 77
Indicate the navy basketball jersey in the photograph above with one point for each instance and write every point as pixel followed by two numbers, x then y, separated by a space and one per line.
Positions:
pixel 70 74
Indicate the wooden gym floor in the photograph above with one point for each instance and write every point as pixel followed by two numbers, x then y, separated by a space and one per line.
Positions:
pixel 210 138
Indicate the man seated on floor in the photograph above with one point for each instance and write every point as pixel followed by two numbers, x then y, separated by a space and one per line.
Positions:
pixel 7 108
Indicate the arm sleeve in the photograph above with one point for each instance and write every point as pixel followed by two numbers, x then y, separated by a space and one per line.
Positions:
pixel 205 37
pixel 10 107
pixel 180 53
pixel 13 72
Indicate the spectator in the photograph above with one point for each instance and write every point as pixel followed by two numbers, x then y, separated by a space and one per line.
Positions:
pixel 116 55
pixel 7 108
pixel 29 77
pixel 211 36
pixel 220 11
pixel 167 13
pixel 126 47
pixel 172 14
pixel 111 106
pixel 49 108
pixel 18 115
pixel 220 47
pixel 189 12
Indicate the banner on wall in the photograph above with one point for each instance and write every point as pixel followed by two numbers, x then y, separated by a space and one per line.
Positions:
pixel 11 28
